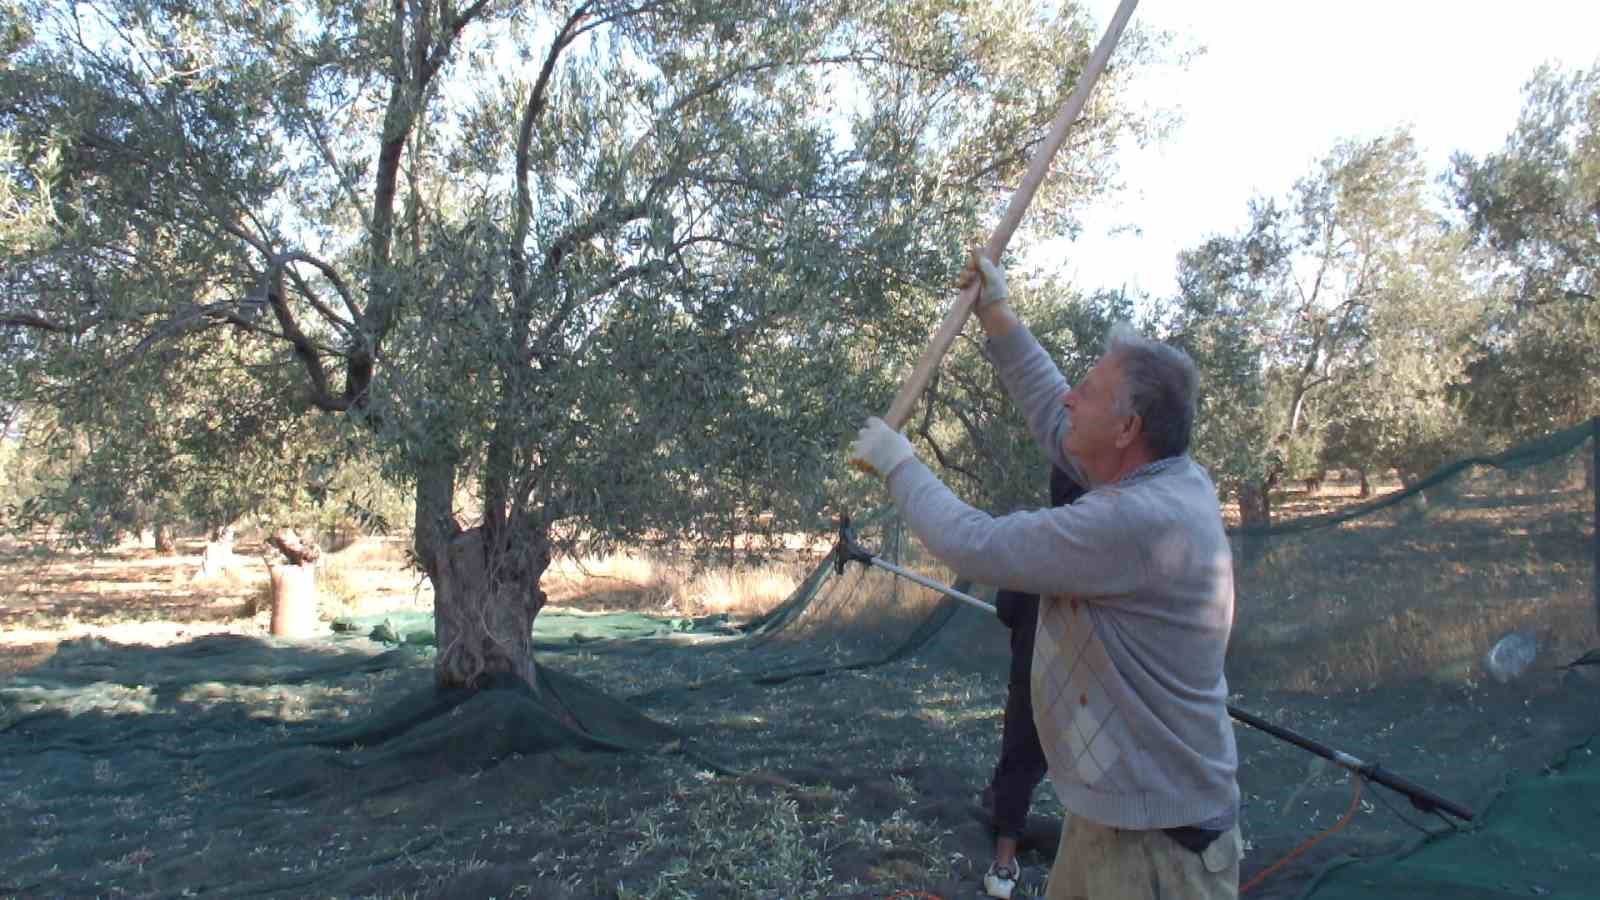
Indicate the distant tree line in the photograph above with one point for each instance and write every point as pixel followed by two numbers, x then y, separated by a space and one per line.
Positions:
pixel 1377 318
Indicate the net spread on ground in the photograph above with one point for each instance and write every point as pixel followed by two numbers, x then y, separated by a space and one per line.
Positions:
pixel 1446 632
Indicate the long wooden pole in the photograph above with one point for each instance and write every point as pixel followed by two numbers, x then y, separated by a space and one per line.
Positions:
pixel 1038 168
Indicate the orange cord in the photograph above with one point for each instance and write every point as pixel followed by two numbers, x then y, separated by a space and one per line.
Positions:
pixel 1355 803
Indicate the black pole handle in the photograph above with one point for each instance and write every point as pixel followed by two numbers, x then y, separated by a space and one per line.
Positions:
pixel 1420 797
pixel 848 549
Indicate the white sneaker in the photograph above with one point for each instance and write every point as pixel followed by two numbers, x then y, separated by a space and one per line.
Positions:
pixel 998 882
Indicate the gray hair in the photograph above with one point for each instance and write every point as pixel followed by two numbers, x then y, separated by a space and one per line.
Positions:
pixel 1160 384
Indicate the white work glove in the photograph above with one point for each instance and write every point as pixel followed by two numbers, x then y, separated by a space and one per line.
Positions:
pixel 879 448
pixel 992 286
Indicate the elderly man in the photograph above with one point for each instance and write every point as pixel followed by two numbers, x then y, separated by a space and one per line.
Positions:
pixel 1136 581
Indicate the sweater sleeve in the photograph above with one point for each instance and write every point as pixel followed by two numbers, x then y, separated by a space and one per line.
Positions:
pixel 1088 548
pixel 1036 385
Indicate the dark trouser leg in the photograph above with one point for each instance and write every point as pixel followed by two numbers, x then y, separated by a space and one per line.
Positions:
pixel 1022 765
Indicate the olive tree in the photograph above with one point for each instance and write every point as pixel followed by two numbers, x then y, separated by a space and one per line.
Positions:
pixel 584 273
pixel 1532 206
pixel 1333 327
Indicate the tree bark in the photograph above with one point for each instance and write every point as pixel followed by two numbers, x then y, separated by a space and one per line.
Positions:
pixel 165 541
pixel 1255 505
pixel 484 605
pixel 1591 460
pixel 295 597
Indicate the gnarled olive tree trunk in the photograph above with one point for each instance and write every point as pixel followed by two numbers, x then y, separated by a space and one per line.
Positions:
pixel 484 604
pixel 485 590
pixel 158 537
pixel 1255 504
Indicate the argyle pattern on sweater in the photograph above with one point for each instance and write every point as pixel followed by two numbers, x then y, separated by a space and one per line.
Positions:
pixel 1079 726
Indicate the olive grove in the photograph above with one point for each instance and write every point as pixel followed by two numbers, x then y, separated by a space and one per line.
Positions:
pixel 580 274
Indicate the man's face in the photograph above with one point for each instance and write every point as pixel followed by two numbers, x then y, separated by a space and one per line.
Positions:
pixel 1098 434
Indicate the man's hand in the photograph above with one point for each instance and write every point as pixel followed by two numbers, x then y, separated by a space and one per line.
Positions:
pixel 879 448
pixel 992 286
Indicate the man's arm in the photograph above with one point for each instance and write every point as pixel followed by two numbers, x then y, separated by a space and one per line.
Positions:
pixel 1030 376
pixel 1090 548
pixel 998 319
pixel 1037 387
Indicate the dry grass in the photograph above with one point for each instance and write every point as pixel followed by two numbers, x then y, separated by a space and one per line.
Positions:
pixel 1420 591
pixel 128 594
pixel 740 593
pixel 648 583
pixel 370 575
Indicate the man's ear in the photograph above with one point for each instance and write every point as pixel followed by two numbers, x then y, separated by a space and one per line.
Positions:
pixel 1132 429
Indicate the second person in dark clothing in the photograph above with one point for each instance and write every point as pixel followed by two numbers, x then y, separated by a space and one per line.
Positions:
pixel 1021 766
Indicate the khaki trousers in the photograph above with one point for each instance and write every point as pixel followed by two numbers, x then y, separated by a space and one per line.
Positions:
pixel 1095 862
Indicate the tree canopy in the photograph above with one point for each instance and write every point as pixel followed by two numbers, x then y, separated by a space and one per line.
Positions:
pixel 1535 206
pixel 610 271
pixel 616 272
pixel 1334 315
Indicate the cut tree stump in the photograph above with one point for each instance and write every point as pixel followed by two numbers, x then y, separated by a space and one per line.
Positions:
pixel 217 558
pixel 295 598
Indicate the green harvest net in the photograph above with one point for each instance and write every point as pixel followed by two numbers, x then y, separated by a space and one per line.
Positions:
pixel 1447 632
pixel 1442 631
pixel 1432 631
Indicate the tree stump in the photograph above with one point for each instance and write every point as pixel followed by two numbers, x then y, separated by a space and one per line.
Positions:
pixel 217 558
pixel 158 537
pixel 1255 505
pixel 295 598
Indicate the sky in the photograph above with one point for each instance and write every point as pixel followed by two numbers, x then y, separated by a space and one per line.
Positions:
pixel 1281 81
